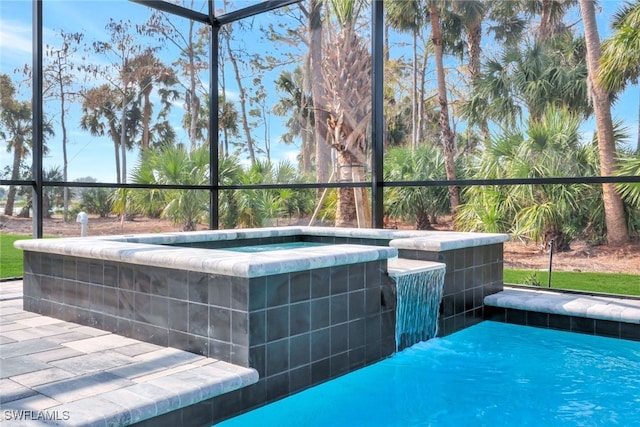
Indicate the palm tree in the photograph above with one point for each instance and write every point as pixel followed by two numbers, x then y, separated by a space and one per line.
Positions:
pixel 446 134
pixel 16 129
pixel 551 147
pixel 174 165
pixel 617 231
pixel 421 204
pixel 101 110
pixel 620 63
pixel 346 70
pixel 299 106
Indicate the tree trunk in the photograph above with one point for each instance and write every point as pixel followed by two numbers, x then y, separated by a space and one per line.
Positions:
pixel 243 102
pixel 15 175
pixel 323 151
pixel 446 135
pixel 63 125
pixel 617 232
pixel 346 214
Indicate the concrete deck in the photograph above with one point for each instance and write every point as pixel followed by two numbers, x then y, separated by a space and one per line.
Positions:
pixel 59 373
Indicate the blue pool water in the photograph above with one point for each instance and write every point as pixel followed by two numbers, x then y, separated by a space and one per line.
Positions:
pixel 274 247
pixel 491 374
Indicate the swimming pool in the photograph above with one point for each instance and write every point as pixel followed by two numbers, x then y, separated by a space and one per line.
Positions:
pixel 491 374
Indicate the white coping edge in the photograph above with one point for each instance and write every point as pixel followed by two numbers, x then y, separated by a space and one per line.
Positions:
pixel 145 249
pixel 402 239
pixel 149 399
pixel 398 267
pixel 569 304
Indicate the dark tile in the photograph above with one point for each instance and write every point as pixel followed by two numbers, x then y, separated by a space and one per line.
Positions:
pixel 607 328
pixel 198 319
pixel 458 303
pixel 201 413
pixel 150 333
pixel 257 359
pixel 159 281
pixel 339 308
pixel 277 357
pixel 254 394
pixel 198 287
pixel 320 371
pixel 339 279
pixel 277 323
pixel 372 330
pixel 110 274
pixel 239 328
pixel 82 295
pixel 320 313
pixel 159 314
pixel 374 272
pixel 356 333
pixel 239 355
pixel 339 338
pixel 110 298
pixel 257 293
pixel 356 276
pixel 69 268
pixel 320 282
pixel 83 270
pixel 339 364
pixel 356 304
pixel 220 350
pixel 277 290
pixel 300 286
pixel 220 291
pixel 142 307
pixel 142 279
pixel 630 331
pixel 257 327
pixel 177 284
pixel 220 324
pixel 498 314
pixel 239 293
pixel 559 321
pixel 357 358
pixel 583 325
pixel 320 344
pixel 96 272
pixel 125 278
pixel 178 315
pixel 518 317
pixel 126 304
pixel 69 289
pixel 468 300
pixel 96 297
pixel 300 350
pixel 299 318
pixel 300 378
pixel 372 353
pixel 535 318
pixel 372 301
pixel 277 386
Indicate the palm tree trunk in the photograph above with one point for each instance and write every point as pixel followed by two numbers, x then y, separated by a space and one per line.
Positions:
pixel 346 214
pixel 323 151
pixel 617 232
pixel 446 135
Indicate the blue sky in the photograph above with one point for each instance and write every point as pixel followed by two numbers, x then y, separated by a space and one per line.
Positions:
pixel 93 156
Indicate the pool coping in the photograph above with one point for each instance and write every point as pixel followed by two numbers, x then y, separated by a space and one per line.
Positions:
pixel 96 377
pixel 593 306
pixel 147 249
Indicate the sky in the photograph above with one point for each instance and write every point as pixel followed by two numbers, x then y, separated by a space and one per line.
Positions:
pixel 94 156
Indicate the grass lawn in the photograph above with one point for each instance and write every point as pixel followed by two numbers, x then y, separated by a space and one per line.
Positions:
pixel 11 265
pixel 610 283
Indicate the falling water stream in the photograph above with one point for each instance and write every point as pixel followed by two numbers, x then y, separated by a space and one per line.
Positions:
pixel 418 301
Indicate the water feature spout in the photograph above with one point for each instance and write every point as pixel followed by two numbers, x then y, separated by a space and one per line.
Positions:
pixel 419 293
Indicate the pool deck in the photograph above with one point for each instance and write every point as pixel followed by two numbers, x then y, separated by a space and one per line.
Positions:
pixel 59 373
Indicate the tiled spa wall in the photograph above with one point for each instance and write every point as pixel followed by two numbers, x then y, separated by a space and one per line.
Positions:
pixel 471 274
pixel 296 329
